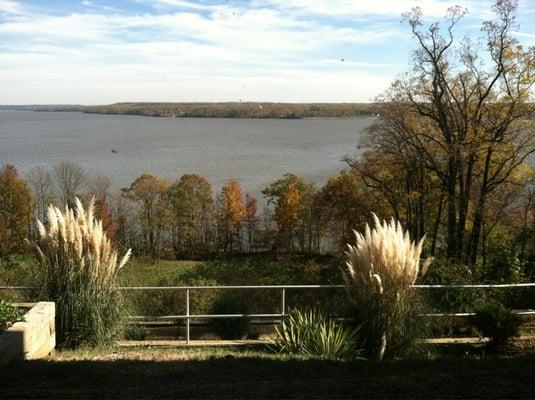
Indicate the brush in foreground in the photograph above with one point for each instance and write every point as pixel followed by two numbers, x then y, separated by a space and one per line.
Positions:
pixel 80 265
pixel 380 269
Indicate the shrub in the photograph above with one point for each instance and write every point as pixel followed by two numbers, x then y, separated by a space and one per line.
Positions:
pixel 230 328
pixel 380 270
pixel 9 314
pixel 134 332
pixel 80 269
pixel 309 332
pixel 445 272
pixel 19 270
pixel 495 321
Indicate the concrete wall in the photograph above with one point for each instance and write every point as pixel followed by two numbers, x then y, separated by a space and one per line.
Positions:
pixel 32 338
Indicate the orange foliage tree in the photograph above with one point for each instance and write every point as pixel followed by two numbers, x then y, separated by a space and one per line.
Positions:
pixel 251 221
pixel 230 214
pixel 287 212
pixel 15 210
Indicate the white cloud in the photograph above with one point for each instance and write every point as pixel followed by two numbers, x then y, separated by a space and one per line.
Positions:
pixel 90 4
pixel 270 50
pixel 11 7
pixel 359 8
pixel 182 4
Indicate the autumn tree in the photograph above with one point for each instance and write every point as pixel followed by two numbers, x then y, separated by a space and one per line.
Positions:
pixel 347 205
pixel 461 118
pixel 522 223
pixel 15 210
pixel 124 212
pixel 296 211
pixel 251 221
pixel 287 213
pixel 190 202
pixel 148 192
pixel 230 215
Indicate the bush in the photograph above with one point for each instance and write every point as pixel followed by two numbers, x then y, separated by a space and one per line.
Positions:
pixel 495 321
pixel 309 332
pixel 80 270
pixel 380 270
pixel 19 270
pixel 134 332
pixel 447 272
pixel 9 314
pixel 230 328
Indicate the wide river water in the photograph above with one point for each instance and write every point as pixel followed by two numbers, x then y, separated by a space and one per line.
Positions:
pixel 255 152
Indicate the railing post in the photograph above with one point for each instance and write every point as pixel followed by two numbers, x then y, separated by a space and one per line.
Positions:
pixel 187 316
pixel 283 305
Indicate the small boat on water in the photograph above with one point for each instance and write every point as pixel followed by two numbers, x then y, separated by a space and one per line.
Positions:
pixel 114 151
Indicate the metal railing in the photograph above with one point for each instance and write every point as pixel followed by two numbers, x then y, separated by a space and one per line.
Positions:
pixel 283 288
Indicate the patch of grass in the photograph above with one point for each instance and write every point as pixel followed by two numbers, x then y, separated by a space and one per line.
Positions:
pixel 139 272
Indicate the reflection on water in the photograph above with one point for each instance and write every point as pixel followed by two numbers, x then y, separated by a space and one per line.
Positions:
pixel 255 152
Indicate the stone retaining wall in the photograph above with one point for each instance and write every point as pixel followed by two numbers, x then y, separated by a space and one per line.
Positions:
pixel 32 338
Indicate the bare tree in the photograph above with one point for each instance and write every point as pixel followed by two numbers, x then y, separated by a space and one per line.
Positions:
pixel 42 184
pixel 71 180
pixel 99 188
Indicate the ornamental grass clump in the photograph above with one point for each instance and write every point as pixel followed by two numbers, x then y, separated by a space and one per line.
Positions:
pixel 310 332
pixel 380 270
pixel 80 271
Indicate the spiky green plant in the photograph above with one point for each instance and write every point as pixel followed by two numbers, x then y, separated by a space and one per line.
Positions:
pixel 80 268
pixel 380 270
pixel 311 333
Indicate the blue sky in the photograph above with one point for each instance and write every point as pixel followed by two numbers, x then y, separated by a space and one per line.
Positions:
pixel 101 51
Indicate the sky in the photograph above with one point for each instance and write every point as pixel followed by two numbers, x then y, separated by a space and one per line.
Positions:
pixel 102 51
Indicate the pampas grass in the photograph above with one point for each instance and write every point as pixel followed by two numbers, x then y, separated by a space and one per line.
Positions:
pixel 380 269
pixel 80 265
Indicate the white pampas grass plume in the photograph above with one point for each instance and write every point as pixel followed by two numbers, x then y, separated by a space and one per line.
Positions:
pixel 384 259
pixel 380 269
pixel 81 265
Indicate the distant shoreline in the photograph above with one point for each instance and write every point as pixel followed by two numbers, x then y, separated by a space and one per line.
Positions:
pixel 249 110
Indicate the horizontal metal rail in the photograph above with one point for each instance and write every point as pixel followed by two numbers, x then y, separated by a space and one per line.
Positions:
pixel 219 287
pixel 283 288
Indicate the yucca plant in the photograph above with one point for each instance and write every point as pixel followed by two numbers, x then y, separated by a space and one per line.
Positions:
pixel 310 332
pixel 380 270
pixel 80 268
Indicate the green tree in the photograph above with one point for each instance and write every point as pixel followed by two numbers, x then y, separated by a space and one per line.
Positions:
pixel 190 202
pixel 148 192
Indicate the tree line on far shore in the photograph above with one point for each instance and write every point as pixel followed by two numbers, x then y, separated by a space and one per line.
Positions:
pixel 185 218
